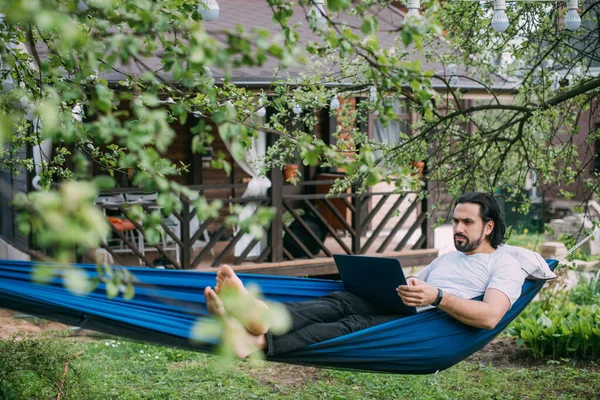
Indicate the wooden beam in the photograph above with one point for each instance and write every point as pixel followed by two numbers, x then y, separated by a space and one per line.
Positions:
pixel 326 266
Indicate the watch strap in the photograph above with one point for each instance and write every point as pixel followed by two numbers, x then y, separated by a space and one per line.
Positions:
pixel 438 300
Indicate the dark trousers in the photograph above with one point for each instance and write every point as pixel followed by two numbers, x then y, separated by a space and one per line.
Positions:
pixel 328 317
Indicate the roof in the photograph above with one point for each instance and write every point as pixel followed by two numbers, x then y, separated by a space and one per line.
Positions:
pixel 257 14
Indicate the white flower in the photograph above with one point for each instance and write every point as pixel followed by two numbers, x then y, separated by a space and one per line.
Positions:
pixel 141 351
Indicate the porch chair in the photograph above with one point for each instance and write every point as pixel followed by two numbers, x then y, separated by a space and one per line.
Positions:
pixel 111 205
pixel 171 222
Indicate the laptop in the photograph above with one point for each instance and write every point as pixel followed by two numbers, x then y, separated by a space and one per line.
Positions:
pixel 374 279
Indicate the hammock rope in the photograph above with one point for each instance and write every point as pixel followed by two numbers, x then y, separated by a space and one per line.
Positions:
pixel 169 303
pixel 578 245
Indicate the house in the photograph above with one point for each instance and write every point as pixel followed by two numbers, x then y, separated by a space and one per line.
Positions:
pixel 308 226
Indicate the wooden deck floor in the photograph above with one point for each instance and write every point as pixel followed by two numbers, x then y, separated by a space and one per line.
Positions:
pixel 318 266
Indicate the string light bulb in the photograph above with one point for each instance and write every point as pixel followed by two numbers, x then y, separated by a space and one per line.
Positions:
pixel 335 103
pixel 8 84
pixel 77 112
pixel 413 9
pixel 209 9
pixel 500 20
pixel 317 13
pixel 373 94
pixel 555 82
pixel 453 81
pixel 572 19
pixel 261 112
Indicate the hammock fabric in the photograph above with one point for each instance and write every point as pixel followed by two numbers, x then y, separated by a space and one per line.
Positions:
pixel 168 303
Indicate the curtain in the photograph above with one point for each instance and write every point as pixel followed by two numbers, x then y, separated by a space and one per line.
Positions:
pixel 390 134
pixel 257 187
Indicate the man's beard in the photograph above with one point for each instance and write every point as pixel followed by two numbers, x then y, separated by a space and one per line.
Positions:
pixel 467 246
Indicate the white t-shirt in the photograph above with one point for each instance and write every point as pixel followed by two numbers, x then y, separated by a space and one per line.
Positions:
pixel 469 276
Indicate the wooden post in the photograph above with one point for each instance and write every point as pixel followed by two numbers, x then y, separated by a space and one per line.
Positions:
pixel 276 231
pixel 427 224
pixel 186 249
pixel 356 222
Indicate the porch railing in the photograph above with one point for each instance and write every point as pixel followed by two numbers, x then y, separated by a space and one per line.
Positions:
pixel 367 223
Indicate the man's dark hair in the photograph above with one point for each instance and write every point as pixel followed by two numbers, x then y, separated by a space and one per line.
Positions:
pixel 489 211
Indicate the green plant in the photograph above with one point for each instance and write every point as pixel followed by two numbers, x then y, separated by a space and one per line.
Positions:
pixel 34 368
pixel 587 291
pixel 562 323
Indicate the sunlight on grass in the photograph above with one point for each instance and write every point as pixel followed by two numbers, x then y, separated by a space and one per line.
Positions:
pixel 531 241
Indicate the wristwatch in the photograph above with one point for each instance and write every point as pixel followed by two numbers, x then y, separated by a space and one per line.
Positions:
pixel 438 300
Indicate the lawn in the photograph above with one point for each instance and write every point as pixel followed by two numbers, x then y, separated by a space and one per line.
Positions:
pixel 108 368
pixel 531 241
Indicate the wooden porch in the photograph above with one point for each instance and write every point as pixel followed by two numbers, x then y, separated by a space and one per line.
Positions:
pixel 319 266
pixel 308 227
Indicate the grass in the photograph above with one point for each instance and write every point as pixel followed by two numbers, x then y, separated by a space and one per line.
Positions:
pixel 113 369
pixel 531 241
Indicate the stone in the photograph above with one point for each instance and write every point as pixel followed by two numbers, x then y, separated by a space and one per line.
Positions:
pixel 553 250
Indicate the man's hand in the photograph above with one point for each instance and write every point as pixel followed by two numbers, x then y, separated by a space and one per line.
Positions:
pixel 417 293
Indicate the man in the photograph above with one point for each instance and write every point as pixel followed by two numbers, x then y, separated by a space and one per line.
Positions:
pixel 448 283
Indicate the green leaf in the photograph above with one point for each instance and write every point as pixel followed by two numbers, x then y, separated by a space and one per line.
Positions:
pixel 369 25
pixel 76 281
pixel 112 290
pixel 43 273
pixel 104 182
pixel 129 291
pixel 337 5
pixel 152 235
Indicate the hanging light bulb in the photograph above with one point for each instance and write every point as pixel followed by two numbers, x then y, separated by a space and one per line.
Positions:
pixel 209 9
pixel 373 94
pixel 413 9
pixel 297 109
pixel 77 112
pixel 453 81
pixel 317 13
pixel 8 84
pixel 261 112
pixel 500 20
pixel 555 82
pixel 572 19
pixel 335 103
pixel 23 102
pixel 30 112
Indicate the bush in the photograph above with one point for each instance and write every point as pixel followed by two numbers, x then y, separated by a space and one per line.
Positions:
pixel 34 368
pixel 567 330
pixel 563 325
pixel 587 292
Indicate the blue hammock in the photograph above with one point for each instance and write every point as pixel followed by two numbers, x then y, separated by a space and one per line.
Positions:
pixel 167 303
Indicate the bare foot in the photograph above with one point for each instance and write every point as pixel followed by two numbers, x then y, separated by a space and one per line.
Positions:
pixel 248 309
pixel 242 342
pixel 226 277
pixel 214 304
